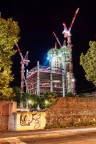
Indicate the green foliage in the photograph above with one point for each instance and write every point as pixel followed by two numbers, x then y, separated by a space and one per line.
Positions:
pixel 88 62
pixel 48 99
pixel 25 97
pixel 17 94
pixel 30 100
pixel 70 94
pixel 35 100
pixel 9 31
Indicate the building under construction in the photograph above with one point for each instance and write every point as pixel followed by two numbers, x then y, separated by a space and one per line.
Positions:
pixel 55 78
pixel 58 76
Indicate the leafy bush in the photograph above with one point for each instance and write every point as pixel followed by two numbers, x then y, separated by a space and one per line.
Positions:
pixel 70 94
pixel 34 101
pixel 47 100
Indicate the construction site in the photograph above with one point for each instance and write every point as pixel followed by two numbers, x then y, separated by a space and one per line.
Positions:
pixel 58 76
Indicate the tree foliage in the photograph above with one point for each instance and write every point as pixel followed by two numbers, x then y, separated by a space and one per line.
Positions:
pixel 9 34
pixel 88 62
pixel 70 94
pixel 48 99
pixel 17 95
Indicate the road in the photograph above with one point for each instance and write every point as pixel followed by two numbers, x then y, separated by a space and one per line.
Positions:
pixel 87 138
pixel 55 137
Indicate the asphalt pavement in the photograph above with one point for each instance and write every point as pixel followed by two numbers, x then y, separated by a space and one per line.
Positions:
pixel 28 137
pixel 45 133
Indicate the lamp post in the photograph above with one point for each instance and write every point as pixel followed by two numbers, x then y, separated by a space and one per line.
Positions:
pixel 29 102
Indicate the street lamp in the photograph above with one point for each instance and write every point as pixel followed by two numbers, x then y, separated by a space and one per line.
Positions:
pixel 29 102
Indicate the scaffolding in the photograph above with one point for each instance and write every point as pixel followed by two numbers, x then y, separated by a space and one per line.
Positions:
pixel 53 78
pixel 42 80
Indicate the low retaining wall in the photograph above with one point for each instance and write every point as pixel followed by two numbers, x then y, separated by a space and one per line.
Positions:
pixel 4 122
pixel 66 112
pixel 6 109
pixel 27 121
pixel 72 112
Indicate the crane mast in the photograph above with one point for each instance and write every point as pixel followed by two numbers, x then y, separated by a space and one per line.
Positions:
pixel 24 62
pixel 67 34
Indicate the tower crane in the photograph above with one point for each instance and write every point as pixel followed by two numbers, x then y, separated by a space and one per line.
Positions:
pixel 67 34
pixel 57 38
pixel 24 62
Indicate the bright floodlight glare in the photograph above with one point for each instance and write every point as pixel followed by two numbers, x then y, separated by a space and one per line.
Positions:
pixel 29 101
pixel 73 80
pixel 47 58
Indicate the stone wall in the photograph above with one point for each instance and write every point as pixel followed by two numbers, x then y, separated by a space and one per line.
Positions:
pixel 69 112
pixel 66 112
pixel 6 109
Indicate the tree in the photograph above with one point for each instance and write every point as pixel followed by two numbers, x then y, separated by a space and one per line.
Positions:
pixel 70 94
pixel 30 100
pixel 17 95
pixel 88 62
pixel 34 100
pixel 9 31
pixel 24 99
pixel 48 99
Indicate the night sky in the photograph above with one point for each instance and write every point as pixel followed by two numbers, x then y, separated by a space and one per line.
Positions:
pixel 37 20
